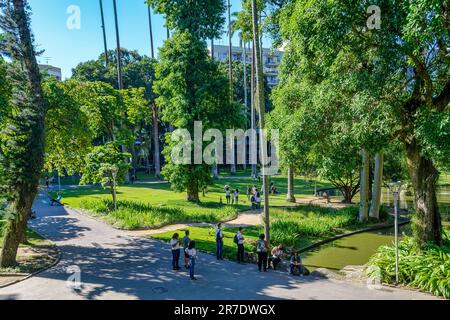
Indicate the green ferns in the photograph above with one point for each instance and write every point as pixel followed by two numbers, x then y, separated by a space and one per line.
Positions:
pixel 133 215
pixel 426 268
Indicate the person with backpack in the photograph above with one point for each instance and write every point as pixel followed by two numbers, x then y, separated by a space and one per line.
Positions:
pixel 261 250
pixel 219 242
pixel 239 240
pixel 175 245
pixel 192 253
pixel 186 241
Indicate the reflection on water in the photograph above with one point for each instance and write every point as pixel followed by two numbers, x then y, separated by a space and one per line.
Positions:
pixel 353 250
pixel 357 249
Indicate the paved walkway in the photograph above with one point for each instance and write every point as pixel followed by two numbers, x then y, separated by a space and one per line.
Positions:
pixel 115 265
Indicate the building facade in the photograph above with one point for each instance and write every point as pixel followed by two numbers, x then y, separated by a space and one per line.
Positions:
pixel 271 59
pixel 51 71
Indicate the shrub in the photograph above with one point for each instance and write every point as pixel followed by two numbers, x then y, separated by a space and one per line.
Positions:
pixel 426 267
pixel 136 215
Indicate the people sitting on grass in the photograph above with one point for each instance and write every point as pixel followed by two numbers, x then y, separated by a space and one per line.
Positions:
pixel 273 189
pixel 186 241
pixel 57 200
pixel 261 250
pixel 239 240
pixel 175 247
pixel 219 242
pixel 192 254
pixel 275 259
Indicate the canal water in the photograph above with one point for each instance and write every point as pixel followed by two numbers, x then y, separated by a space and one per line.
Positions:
pixel 358 248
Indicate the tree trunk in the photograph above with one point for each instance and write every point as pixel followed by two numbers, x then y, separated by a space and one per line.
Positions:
pixel 253 149
pixel 377 184
pixel 15 229
pixel 261 110
pixel 424 175
pixel 364 191
pixel 156 151
pixel 290 193
pixel 215 171
pixel 192 192
pixel 33 154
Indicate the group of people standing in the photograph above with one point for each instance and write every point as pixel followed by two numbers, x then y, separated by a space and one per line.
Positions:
pixel 231 195
pixel 254 196
pixel 189 251
pixel 262 250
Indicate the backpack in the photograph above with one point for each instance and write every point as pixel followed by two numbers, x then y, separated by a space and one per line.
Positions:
pixel 261 246
pixel 235 239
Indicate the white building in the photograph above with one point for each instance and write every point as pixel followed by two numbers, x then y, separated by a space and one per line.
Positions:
pixel 51 71
pixel 271 59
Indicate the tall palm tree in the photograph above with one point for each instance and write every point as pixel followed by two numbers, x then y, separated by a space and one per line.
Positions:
pixel 104 33
pixel 155 112
pixel 230 73
pixel 261 111
pixel 118 50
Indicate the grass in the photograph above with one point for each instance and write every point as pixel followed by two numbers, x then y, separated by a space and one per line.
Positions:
pixel 294 227
pixel 29 263
pixel 144 205
pixel 426 268
pixel 133 215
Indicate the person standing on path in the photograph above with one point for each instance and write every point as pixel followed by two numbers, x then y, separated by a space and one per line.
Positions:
pixel 192 253
pixel 261 250
pixel 236 196
pixel 258 199
pixel 239 239
pixel 219 242
pixel 186 241
pixel 175 245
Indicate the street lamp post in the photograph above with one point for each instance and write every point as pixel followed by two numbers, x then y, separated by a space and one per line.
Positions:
pixel 395 189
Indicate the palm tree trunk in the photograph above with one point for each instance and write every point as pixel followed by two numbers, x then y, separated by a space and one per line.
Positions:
pixel 261 111
pixel 377 184
pixel 104 33
pixel 254 149
pixel 156 148
pixel 230 77
pixel 364 191
pixel 151 32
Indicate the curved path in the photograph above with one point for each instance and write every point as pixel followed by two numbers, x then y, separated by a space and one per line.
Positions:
pixel 115 265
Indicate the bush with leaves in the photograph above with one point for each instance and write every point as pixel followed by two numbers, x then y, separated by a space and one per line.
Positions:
pixel 426 267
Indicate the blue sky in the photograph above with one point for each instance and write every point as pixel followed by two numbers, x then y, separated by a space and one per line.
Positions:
pixel 65 48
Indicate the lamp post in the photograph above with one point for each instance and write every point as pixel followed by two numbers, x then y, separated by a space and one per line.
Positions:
pixel 395 187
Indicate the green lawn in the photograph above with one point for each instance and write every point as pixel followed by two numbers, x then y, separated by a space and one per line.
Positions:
pixel 152 205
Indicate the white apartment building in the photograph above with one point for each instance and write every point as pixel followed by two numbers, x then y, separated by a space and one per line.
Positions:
pixel 271 59
pixel 51 71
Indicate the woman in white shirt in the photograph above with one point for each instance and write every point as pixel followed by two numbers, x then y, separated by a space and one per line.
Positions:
pixel 175 245
pixel 192 252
